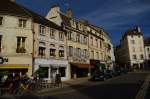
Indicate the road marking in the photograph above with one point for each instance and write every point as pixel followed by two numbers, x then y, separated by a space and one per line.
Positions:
pixel 142 92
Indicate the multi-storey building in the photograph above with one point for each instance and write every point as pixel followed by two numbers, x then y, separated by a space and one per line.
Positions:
pixel 109 57
pixel 77 40
pixel 50 48
pixel 130 52
pixel 85 42
pixel 147 52
pixel 16 37
pixel 96 44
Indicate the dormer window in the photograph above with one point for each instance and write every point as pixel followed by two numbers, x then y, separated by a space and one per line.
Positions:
pixel 22 23
pixel 1 20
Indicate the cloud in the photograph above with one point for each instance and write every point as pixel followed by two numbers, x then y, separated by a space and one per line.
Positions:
pixel 123 15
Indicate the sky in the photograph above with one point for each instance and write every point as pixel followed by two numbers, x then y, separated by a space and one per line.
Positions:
pixel 115 16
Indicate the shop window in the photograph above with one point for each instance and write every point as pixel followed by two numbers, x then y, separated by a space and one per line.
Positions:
pixel 61 53
pixel 52 52
pixel 21 45
pixel 22 23
pixel 43 72
pixel 41 51
pixel 62 71
pixel 1 20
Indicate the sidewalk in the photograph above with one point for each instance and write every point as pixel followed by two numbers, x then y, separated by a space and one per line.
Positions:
pixel 71 82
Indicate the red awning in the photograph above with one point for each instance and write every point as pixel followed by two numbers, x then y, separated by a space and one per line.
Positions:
pixel 82 65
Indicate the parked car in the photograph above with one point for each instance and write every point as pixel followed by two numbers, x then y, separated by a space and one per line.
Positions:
pixel 124 71
pixel 98 76
pixel 108 73
pixel 117 72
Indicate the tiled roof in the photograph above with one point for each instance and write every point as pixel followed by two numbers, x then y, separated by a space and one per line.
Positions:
pixel 131 32
pixel 11 8
pixel 65 19
pixel 8 7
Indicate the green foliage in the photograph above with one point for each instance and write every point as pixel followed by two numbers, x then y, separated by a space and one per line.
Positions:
pixel 41 72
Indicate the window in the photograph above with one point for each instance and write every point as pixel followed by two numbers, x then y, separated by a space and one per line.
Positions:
pixel 62 71
pixel 0 43
pixel 134 57
pixel 96 42
pixel 70 51
pixel 133 41
pixel 91 40
pixel 149 56
pixel 52 52
pixel 45 71
pixel 141 56
pixel 61 53
pixel 97 55
pixel 148 49
pixel 100 44
pixel 78 37
pixel 61 36
pixel 22 23
pixel 42 30
pixel 79 52
pixel 92 54
pixel 133 49
pixel 41 51
pixel 85 40
pixel 70 35
pixel 85 53
pixel 52 35
pixel 21 45
pixel 1 20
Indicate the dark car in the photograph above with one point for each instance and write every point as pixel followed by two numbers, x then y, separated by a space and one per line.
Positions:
pixel 117 72
pixel 98 76
pixel 108 73
pixel 124 71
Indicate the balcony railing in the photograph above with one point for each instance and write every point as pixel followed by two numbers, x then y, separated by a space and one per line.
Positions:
pixel 20 50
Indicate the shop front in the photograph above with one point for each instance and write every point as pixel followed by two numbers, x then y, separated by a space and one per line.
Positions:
pixel 80 70
pixel 53 67
pixel 14 69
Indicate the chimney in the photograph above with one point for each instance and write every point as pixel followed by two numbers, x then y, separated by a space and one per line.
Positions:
pixel 13 0
pixel 69 12
pixel 138 29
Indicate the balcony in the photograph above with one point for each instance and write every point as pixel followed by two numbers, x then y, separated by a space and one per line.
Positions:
pixel 20 50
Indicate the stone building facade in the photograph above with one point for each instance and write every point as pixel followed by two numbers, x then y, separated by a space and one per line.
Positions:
pixel 130 53
pixel 16 40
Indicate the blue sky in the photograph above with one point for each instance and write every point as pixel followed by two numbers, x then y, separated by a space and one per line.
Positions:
pixel 115 16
